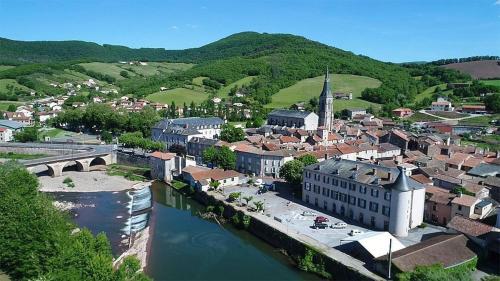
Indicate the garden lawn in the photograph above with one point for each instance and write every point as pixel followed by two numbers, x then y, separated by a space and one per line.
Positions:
pixel 480 120
pixel 422 117
pixel 308 88
pixel 179 96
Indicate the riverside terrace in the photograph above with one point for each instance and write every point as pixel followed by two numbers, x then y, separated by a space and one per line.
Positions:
pixel 276 204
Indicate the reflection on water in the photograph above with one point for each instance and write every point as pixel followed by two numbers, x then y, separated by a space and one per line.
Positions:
pixel 186 247
pixel 140 201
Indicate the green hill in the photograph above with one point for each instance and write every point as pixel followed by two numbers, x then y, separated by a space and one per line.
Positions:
pixel 15 52
pixel 305 89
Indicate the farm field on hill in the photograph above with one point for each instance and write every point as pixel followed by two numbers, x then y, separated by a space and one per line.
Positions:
pixel 308 88
pixel 492 82
pixel 427 93
pixel 152 68
pixel 179 96
pixel 5 82
pixel 483 69
pixel 224 91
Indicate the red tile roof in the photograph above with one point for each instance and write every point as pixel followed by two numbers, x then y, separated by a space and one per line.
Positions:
pixel 162 155
pixel 468 226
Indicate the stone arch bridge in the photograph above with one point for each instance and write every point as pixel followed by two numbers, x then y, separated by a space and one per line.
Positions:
pixel 84 157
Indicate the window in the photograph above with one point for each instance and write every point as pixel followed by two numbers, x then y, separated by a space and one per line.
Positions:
pixel 352 200
pixel 362 203
pixel 362 189
pixel 352 186
pixel 343 184
pixel 335 182
pixel 325 204
pixel 374 192
pixel 343 197
pixel 316 202
pixel 373 207
pixel 387 196
pixel 460 207
pixel 335 195
pixel 372 221
pixel 434 207
pixel 386 210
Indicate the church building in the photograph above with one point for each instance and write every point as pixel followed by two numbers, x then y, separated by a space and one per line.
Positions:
pixel 326 105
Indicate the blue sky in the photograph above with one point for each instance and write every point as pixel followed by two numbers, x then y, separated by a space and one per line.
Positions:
pixel 389 30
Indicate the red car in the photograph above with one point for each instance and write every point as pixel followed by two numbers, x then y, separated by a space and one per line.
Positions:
pixel 321 219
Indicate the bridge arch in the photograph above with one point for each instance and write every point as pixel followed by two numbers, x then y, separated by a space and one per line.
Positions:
pixel 98 161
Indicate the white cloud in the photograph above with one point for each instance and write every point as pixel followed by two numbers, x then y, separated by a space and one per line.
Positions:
pixel 497 2
pixel 174 27
pixel 193 26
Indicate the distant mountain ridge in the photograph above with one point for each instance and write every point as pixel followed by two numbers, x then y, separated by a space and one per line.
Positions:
pixel 15 52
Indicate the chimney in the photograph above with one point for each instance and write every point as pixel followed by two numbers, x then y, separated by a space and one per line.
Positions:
pixel 326 156
pixel 389 176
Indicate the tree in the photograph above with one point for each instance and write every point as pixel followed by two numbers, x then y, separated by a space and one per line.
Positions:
pixel 29 134
pixel 291 171
pixel 493 102
pixel 11 108
pixel 234 196
pixel 230 133
pixel 226 158
pixel 214 184
pixel 248 199
pixel 107 137
pixel 54 251
pixel 209 155
pixel 307 159
pixel 259 206
pixel 124 74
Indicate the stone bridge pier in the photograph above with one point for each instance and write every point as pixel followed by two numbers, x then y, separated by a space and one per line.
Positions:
pixel 82 165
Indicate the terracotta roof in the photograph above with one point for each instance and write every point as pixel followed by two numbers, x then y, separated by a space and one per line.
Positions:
pixel 421 179
pixel 441 103
pixel 401 109
pixel 288 139
pixel 162 155
pixel 400 134
pixel 468 226
pixel 215 174
pixel 472 162
pixel 2 129
pixel 447 250
pixel 474 107
pixel 465 200
pixel 193 169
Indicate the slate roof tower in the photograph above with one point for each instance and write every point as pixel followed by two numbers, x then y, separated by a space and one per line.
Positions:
pixel 326 104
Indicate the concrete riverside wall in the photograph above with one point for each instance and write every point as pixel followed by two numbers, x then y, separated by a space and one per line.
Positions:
pixel 134 160
pixel 340 265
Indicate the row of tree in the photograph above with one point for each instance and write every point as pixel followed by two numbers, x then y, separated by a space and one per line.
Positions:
pixel 136 140
pixel 39 242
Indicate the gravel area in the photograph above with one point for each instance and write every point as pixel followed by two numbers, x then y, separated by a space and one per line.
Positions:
pixel 85 182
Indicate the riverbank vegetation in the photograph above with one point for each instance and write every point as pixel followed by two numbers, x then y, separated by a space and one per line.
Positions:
pixel 57 250
pixel 21 156
pixel 129 172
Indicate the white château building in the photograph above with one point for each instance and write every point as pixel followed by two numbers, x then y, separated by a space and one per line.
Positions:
pixel 293 119
pixel 380 197
pixel 180 131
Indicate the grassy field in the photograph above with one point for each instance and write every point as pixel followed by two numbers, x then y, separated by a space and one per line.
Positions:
pixel 446 114
pixel 5 67
pixel 55 133
pixel 110 69
pixel 224 91
pixel 480 120
pixel 492 82
pixel 154 68
pixel 5 82
pixel 198 81
pixel 421 117
pixel 179 96
pixel 307 88
pixel 427 93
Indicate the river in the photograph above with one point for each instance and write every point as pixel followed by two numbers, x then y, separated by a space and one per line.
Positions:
pixel 184 246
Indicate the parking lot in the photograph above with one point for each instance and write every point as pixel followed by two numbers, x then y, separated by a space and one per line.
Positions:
pixel 281 206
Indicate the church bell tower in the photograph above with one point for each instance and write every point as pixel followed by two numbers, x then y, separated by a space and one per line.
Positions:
pixel 326 104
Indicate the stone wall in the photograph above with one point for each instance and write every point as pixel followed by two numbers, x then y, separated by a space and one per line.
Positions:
pixel 293 247
pixel 131 159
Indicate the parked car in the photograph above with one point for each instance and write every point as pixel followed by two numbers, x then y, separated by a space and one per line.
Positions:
pixel 321 219
pixel 320 225
pixel 308 213
pixel 355 232
pixel 339 225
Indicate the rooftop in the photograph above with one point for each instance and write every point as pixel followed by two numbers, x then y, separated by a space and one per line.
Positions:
pixel 290 113
pixel 189 122
pixel 468 226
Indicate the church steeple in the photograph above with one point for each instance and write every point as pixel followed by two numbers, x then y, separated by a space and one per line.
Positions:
pixel 326 104
pixel 327 92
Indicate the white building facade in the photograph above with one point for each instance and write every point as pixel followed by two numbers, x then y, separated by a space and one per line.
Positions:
pixel 379 197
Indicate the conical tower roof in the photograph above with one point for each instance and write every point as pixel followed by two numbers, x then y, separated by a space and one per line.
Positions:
pixel 401 182
pixel 327 91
